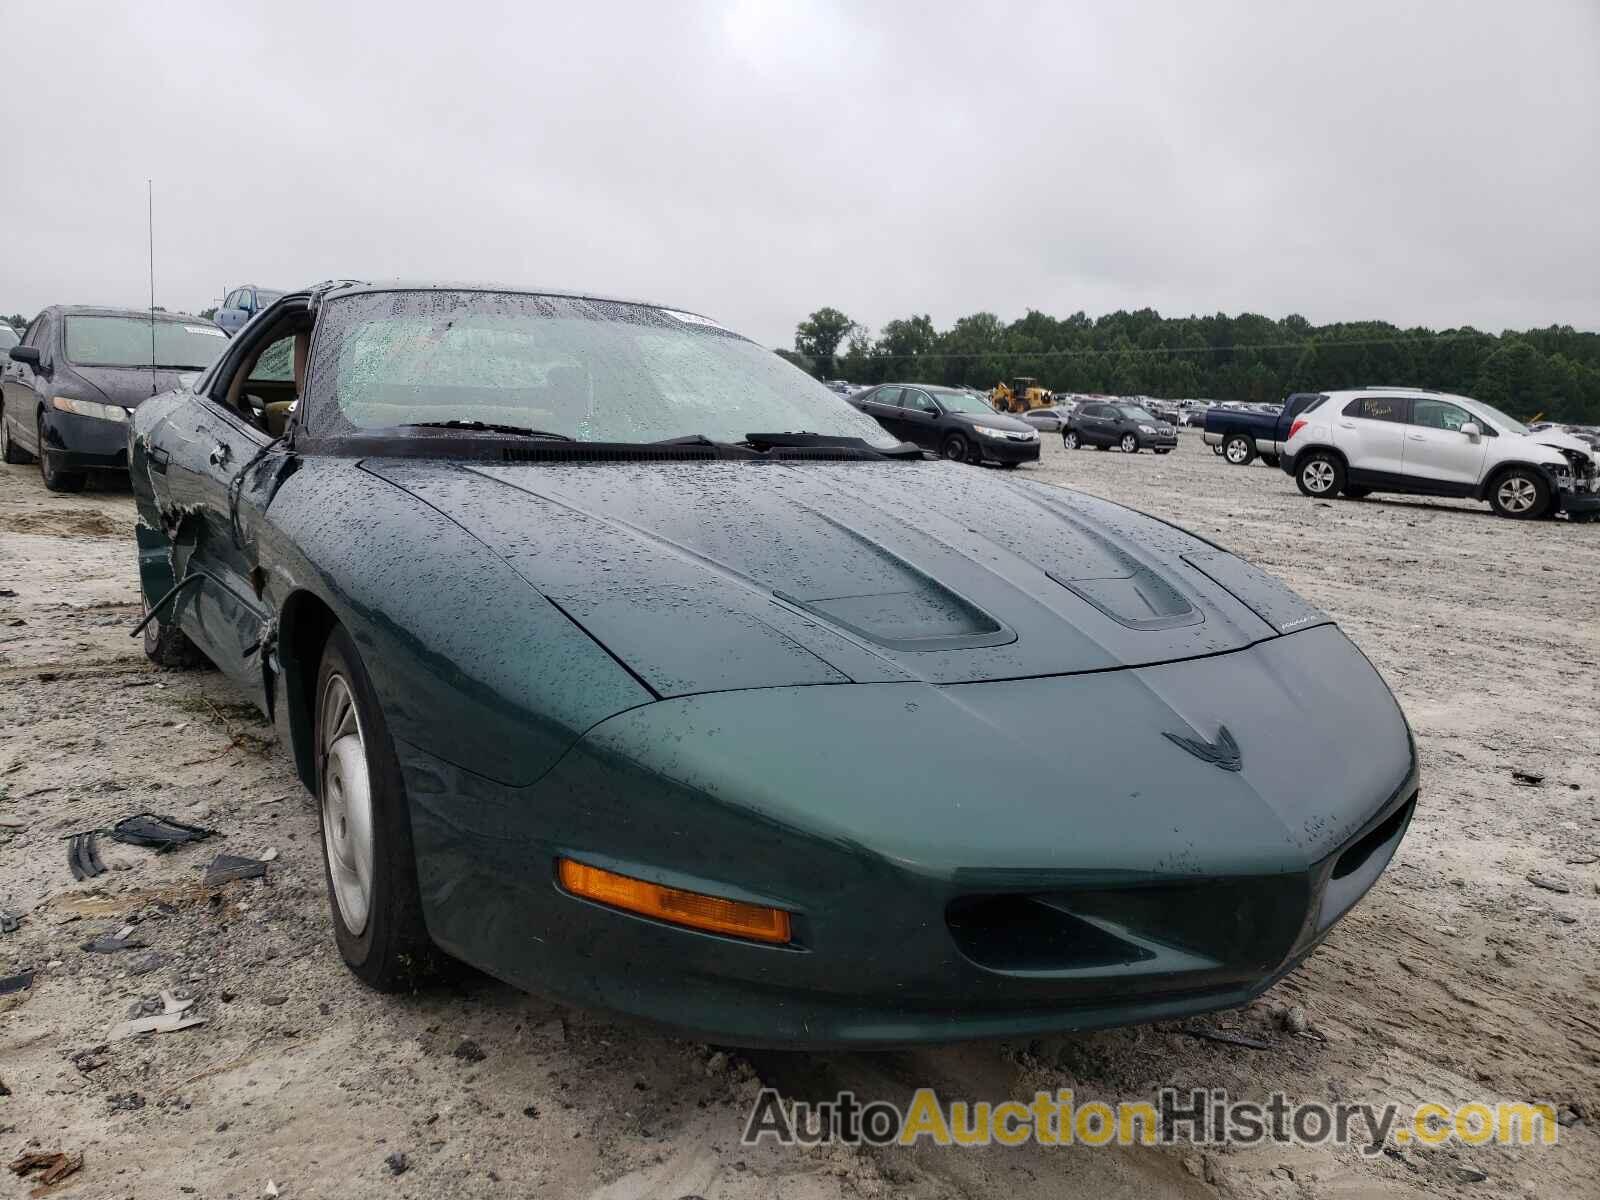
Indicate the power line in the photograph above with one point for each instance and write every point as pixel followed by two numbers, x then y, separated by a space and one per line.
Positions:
pixel 1118 351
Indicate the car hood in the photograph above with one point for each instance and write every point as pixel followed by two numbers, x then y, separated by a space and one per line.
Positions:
pixel 995 420
pixel 1562 441
pixel 711 576
pixel 127 386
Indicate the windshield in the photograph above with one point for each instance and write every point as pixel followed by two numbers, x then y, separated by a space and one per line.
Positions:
pixel 1501 421
pixel 126 342
pixel 591 370
pixel 963 402
pixel 1134 413
pixel 264 297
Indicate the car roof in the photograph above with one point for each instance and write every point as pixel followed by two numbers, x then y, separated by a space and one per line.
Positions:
pixel 354 287
pixel 98 310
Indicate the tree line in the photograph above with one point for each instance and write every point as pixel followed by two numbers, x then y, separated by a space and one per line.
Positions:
pixel 1553 371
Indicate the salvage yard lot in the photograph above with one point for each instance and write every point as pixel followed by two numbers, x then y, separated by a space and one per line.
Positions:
pixel 1458 979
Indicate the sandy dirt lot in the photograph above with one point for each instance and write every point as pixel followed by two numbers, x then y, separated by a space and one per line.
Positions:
pixel 1458 979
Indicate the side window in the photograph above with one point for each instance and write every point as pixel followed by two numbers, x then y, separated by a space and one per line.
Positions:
pixel 231 300
pixel 247 300
pixel 1438 414
pixel 910 398
pixel 35 335
pixel 1377 408
pixel 887 395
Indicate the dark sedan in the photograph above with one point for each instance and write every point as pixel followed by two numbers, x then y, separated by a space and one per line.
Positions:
pixel 603 676
pixel 78 372
pixel 954 423
pixel 1125 426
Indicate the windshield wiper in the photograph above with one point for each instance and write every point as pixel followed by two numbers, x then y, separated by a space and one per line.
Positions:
pixel 489 427
pixel 801 438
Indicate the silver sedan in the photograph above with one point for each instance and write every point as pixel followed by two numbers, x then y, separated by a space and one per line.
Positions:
pixel 1048 420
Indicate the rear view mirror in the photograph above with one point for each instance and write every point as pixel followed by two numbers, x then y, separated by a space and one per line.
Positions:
pixel 1473 430
pixel 25 354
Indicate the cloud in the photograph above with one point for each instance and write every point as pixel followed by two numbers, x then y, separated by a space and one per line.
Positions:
pixel 1433 163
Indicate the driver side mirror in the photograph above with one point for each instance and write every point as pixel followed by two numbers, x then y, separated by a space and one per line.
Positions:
pixel 26 354
pixel 1473 430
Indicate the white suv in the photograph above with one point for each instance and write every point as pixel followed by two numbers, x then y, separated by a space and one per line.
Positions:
pixel 1434 444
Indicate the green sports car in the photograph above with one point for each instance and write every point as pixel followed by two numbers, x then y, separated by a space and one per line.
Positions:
pixel 633 666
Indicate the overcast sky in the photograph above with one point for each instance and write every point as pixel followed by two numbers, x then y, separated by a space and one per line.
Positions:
pixel 1424 163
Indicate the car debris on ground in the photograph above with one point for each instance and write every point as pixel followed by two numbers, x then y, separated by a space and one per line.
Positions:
pixel 51 1166
pixel 225 868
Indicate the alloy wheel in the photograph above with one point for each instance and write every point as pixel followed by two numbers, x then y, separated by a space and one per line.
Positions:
pixel 1518 495
pixel 1318 476
pixel 1130 444
pixel 1070 440
pixel 346 804
pixel 1237 451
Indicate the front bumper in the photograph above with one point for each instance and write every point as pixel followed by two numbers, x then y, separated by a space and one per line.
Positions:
pixel 1578 503
pixel 988 892
pixel 1007 451
pixel 77 443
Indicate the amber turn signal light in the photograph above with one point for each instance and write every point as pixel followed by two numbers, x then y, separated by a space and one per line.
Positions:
pixel 697 911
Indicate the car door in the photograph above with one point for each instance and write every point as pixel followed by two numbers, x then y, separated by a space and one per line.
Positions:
pixel 883 406
pixel 919 419
pixel 25 385
pixel 1437 451
pixel 205 445
pixel 1099 425
pixel 1371 430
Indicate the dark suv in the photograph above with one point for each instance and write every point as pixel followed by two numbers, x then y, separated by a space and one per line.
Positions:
pixel 954 423
pixel 1126 426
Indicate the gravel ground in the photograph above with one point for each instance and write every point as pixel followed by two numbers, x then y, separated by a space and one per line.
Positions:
pixel 1457 979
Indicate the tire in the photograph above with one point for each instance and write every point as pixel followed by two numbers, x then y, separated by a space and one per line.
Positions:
pixel 1271 460
pixel 1102 447
pixel 379 928
pixel 1163 451
pixel 956 449
pixel 1129 443
pixel 1217 449
pixel 9 451
pixel 54 480
pixel 1238 450
pixel 1070 441
pixel 170 648
pixel 1520 493
pixel 1009 466
pixel 1356 493
pixel 1319 475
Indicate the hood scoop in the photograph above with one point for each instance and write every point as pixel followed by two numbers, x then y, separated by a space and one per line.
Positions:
pixel 927 619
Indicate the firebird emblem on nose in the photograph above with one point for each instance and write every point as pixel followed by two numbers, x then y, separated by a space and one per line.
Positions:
pixel 1224 752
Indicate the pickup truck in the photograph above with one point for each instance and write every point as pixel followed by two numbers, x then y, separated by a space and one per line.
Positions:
pixel 1239 435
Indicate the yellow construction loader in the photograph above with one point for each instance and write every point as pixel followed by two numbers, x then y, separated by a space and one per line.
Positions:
pixel 1022 394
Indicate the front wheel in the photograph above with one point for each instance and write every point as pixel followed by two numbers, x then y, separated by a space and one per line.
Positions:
pixel 1129 444
pixel 1270 459
pixel 169 647
pixel 1520 493
pixel 1320 475
pixel 55 479
pixel 956 449
pixel 1070 441
pixel 1238 450
pixel 368 859
pixel 1163 451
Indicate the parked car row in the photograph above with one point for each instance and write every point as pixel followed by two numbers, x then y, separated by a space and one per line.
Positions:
pixel 67 388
